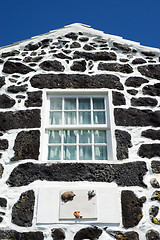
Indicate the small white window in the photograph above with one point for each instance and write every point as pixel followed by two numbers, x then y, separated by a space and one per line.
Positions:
pixel 77 127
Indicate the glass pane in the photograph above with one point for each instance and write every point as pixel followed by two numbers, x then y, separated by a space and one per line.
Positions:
pixel 56 103
pixel 55 136
pixel 54 152
pixel 98 103
pixel 85 153
pixel 69 136
pixel 84 103
pixel 70 117
pixel 69 152
pixel 100 136
pixel 99 118
pixel 70 103
pixel 84 117
pixel 55 118
pixel 100 152
pixel 85 136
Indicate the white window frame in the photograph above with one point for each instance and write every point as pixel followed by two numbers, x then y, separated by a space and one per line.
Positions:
pixel 77 93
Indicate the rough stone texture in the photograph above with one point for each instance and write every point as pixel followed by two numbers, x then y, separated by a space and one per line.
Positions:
pixel 32 47
pixel 75 45
pixel 151 70
pixel 3 144
pixel 52 66
pixel 14 235
pixel 115 67
pixel 58 234
pixel 16 67
pixel 97 56
pixel 152 90
pixel 139 61
pixel 156 196
pixel 88 47
pixel 118 98
pixel 83 39
pixel 51 81
pixel 32 59
pixel 149 150
pixel 131 209
pixel 144 101
pixel 62 56
pixel 152 235
pixel 155 166
pixel 123 236
pixel 1 170
pixel 123 139
pixel 154 183
pixel 151 54
pixel 10 54
pixel 127 174
pixel 122 47
pixel 22 211
pixel 136 117
pixel 90 233
pixel 79 66
pixel 26 145
pixel 153 211
pixel 135 81
pixel 2 81
pixel 100 40
pixel 34 99
pixel 72 35
pixel 20 119
pixel 152 134
pixel 6 101
pixel 17 89
pixel 3 202
pixel 132 91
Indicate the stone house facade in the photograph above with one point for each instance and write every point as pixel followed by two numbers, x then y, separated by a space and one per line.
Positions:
pixel 79 114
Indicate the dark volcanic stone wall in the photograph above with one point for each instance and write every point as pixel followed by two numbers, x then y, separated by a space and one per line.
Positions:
pixel 80 58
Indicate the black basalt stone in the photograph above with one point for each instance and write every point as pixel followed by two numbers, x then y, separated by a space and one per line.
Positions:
pixel 132 91
pixel 144 101
pixel 135 81
pixel 2 81
pixel 1 170
pixel 83 39
pixel 152 134
pixel 62 56
pixel 20 119
pixel 155 166
pixel 3 202
pixel 138 61
pixel 136 117
pixel 3 144
pixel 6 101
pixel 152 235
pixel 22 211
pixel 88 47
pixel 79 66
pixel 151 70
pixel 123 139
pixel 26 145
pixel 97 56
pixel 16 67
pixel 152 90
pixel 32 47
pixel 151 54
pixel 72 35
pixel 75 45
pixel 100 40
pixel 118 98
pixel 32 59
pixel 127 174
pixel 52 66
pixel 51 81
pixel 34 99
pixel 154 183
pixel 123 235
pixel 115 67
pixel 17 89
pixel 14 235
pixel 58 234
pixel 10 54
pixel 149 150
pixel 121 47
pixel 88 233
pixel 131 209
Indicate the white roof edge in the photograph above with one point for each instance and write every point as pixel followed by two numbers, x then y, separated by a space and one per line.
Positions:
pixel 82 27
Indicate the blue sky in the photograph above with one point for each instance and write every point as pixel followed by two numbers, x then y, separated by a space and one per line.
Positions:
pixel 137 20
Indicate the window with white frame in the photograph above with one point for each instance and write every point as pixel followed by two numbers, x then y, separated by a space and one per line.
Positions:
pixel 78 127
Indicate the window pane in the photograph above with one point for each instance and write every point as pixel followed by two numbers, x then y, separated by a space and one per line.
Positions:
pixel 70 117
pixel 99 118
pixel 70 103
pixel 85 136
pixel 100 136
pixel 54 152
pixel 55 118
pixel 100 152
pixel 56 103
pixel 69 152
pixel 84 103
pixel 98 103
pixel 69 136
pixel 85 153
pixel 84 118
pixel 55 136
